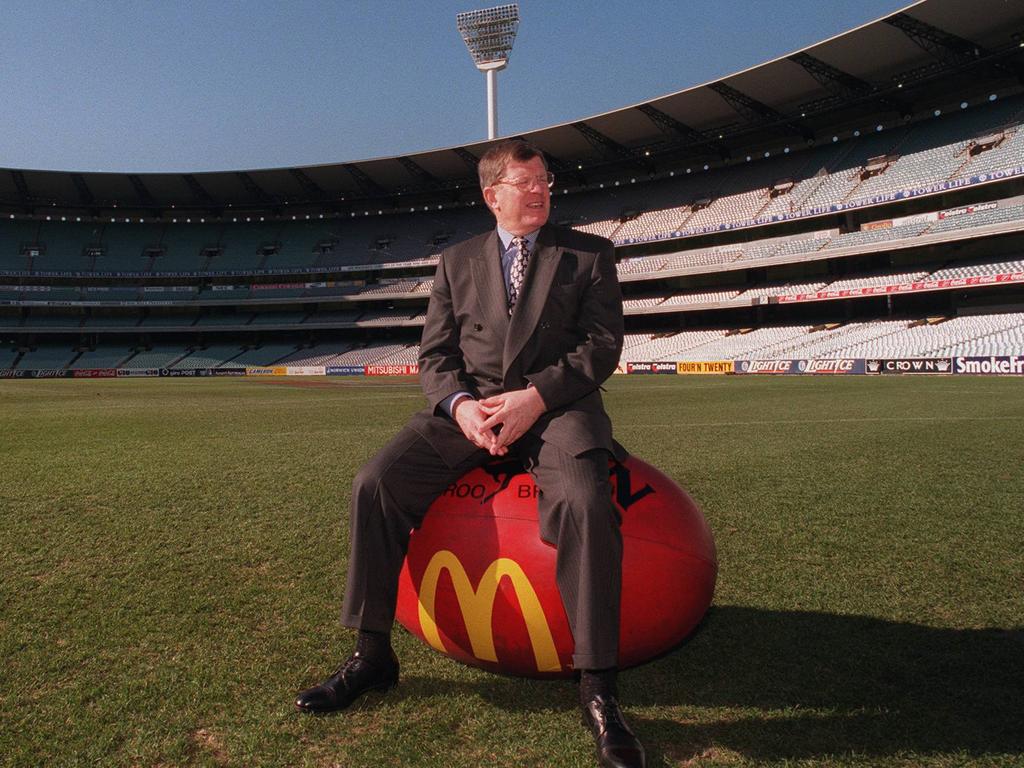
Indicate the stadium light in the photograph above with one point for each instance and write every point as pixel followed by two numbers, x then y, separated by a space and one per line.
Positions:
pixel 489 34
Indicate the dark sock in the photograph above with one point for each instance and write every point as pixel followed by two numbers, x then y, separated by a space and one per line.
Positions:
pixel 597 682
pixel 375 646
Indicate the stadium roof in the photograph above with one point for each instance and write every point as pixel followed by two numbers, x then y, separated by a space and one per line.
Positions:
pixel 893 70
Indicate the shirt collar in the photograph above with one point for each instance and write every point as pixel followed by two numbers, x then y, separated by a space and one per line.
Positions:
pixel 506 238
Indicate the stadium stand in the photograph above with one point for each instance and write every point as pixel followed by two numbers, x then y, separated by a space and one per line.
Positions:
pixel 932 151
pixel 729 249
pixel 996 334
pixel 377 353
pixel 224 293
pixel 278 318
pixel 213 356
pixel 133 248
pixel 45 357
pixel 333 318
pixel 225 318
pixel 983 268
pixel 984 218
pixel 321 354
pixel 101 357
pixel 387 317
pixel 984 335
pixel 267 354
pixel 110 321
pixel 159 356
pixel 41 321
pixel 175 319
pixel 705 297
pixel 8 357
pixel 889 278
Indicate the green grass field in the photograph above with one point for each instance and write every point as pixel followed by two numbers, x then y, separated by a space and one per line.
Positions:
pixel 173 554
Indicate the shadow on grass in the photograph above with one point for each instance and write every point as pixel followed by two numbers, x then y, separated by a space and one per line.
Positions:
pixel 789 685
pixel 793 685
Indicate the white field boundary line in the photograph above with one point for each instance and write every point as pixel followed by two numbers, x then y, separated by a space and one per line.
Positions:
pixel 858 420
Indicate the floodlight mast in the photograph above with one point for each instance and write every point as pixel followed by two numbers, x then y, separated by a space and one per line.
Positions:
pixel 489 34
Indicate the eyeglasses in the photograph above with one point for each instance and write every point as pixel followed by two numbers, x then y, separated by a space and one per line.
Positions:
pixel 527 182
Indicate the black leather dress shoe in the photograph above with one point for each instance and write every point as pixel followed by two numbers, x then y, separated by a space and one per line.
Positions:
pixel 617 745
pixel 358 675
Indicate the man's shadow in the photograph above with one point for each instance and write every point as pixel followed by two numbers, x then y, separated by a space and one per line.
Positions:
pixel 805 685
pixel 815 684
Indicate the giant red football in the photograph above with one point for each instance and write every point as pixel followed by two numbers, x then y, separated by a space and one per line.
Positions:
pixel 478 583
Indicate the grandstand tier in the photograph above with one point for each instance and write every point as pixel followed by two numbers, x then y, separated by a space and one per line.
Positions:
pixel 776 212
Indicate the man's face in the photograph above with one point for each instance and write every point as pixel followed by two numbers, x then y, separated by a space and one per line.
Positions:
pixel 520 209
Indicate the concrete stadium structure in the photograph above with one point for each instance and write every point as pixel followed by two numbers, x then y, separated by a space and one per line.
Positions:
pixel 862 197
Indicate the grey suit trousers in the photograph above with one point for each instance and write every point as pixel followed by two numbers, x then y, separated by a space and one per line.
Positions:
pixel 390 497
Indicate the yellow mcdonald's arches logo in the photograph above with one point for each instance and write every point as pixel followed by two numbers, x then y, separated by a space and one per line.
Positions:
pixel 477 607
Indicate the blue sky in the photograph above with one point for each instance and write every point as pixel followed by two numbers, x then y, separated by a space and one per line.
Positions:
pixel 217 85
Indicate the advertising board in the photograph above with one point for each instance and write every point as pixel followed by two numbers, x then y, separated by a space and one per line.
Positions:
pixel 306 370
pixel 651 367
pixel 392 370
pixel 909 365
pixel 831 366
pixel 990 366
pixel 766 366
pixel 704 367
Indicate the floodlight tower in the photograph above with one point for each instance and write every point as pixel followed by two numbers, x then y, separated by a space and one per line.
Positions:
pixel 489 35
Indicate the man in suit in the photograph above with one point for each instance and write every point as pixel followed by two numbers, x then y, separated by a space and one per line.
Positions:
pixel 523 326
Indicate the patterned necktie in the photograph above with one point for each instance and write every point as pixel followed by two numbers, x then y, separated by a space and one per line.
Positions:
pixel 518 272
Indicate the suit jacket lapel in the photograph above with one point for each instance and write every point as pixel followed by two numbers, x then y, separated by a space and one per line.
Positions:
pixel 540 273
pixel 490 286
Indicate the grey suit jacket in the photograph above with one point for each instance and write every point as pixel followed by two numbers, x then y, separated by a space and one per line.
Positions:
pixel 565 338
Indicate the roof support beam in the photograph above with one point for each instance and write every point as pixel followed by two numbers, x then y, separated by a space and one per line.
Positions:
pixel 197 190
pixel 21 185
pixel 944 46
pixel 310 187
pixel 832 78
pixel 756 113
pixel 952 50
pixel 844 86
pixel 609 147
pixel 366 185
pixel 85 195
pixel 253 188
pixel 471 160
pixel 418 172
pixel 669 125
pixel 141 190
